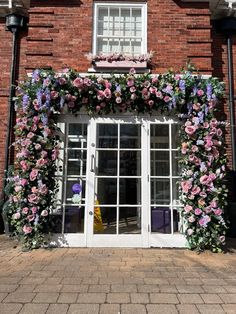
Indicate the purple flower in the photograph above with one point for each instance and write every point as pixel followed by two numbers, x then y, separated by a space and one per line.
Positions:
pixel 35 76
pixel 209 91
pixel 182 85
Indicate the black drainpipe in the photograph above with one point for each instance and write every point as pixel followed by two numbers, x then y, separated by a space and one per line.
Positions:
pixel 14 24
pixel 227 26
pixel 231 98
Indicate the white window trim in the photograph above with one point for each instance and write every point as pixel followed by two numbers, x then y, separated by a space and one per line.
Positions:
pixel 142 5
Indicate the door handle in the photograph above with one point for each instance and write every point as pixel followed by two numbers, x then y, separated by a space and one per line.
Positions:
pixel 92 163
pixel 90 213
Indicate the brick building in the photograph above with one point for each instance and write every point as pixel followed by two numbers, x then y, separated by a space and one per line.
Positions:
pixel 59 34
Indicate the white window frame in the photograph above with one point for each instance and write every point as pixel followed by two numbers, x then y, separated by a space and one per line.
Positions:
pixel 142 5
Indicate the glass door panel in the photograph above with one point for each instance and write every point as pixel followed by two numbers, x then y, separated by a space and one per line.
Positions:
pixel 117 177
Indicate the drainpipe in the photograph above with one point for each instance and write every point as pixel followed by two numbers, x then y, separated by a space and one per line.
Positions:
pixel 227 26
pixel 14 23
pixel 231 98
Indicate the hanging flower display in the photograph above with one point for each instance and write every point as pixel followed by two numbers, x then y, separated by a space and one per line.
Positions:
pixel 41 98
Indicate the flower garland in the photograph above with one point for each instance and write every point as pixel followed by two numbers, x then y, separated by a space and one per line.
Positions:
pixel 41 98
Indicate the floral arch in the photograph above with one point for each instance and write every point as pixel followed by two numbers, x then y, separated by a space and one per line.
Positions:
pixel 41 98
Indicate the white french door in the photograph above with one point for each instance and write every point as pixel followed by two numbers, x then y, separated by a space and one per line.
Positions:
pixel 118 206
pixel 117 185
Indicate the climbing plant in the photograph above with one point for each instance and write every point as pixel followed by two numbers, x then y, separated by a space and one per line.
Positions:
pixel 44 96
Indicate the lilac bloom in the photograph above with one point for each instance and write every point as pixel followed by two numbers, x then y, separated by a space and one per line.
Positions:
pixel 44 119
pixel 201 116
pixel 25 100
pixel 35 76
pixel 39 97
pixel 182 85
pixel 209 91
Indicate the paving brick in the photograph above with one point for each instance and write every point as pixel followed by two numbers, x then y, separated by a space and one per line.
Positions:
pixel 10 308
pixel 187 309
pixel 100 288
pixel 118 298
pixel 74 288
pixel 210 309
pixel 7 288
pixel 148 288
pixel 163 298
pixel 229 308
pixel 48 288
pixel 211 298
pixel 34 308
pixel 109 309
pixel 156 281
pixel 189 298
pixel 83 309
pixel 19 297
pixel 32 280
pixel 123 288
pixel 133 309
pixel 161 308
pixel 214 289
pixel 168 288
pixel 46 297
pixel 189 289
pixel 91 298
pixel 139 298
pixel 228 297
pixel 57 308
pixel 25 288
pixel 67 297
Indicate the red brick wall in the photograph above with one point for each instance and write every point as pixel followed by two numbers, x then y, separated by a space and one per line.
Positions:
pixel 60 34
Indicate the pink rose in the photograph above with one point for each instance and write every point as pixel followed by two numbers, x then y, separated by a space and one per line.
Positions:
pixel 27 229
pixel 107 93
pixel 25 210
pixel 167 99
pixel 190 130
pixel 196 107
pixel 33 174
pixel 204 221
pixel 188 208
pixel 132 89
pixel 195 190
pixel 198 211
pixel 34 209
pixel 201 202
pixel 222 239
pixel 191 219
pixel 218 211
pixel 186 185
pixel 24 182
pixel 130 82
pixel 33 198
pixel 16 216
pixel 18 188
pixel 159 94
pixel 189 232
pixel 30 218
pixel 200 92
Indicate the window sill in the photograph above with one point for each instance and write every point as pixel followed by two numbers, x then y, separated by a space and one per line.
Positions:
pixel 121 66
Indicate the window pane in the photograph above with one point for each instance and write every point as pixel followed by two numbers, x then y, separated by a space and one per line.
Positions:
pixel 130 136
pixel 160 164
pixel 74 219
pixel 160 191
pixel 159 136
pixel 107 136
pixel 175 135
pixel 129 220
pixel 104 220
pixel 130 163
pixel 130 191
pixel 77 167
pixel 107 163
pixel 106 190
pixel 161 219
pixel 70 193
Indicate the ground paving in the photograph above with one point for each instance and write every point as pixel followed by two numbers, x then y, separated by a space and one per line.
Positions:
pixel 107 281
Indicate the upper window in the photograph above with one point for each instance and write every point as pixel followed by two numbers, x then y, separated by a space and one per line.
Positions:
pixel 120 28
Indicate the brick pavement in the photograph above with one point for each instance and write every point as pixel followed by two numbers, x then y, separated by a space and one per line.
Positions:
pixel 107 281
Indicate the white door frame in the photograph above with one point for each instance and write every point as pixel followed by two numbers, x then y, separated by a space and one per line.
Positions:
pixel 146 238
